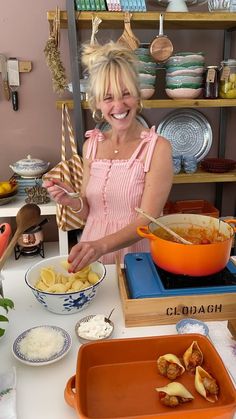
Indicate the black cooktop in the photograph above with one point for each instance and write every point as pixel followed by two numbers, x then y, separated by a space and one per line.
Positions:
pixel 173 281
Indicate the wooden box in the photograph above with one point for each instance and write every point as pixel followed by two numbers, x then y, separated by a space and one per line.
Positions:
pixel 169 310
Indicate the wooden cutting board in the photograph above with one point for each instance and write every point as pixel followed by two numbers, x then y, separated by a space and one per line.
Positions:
pixel 232 327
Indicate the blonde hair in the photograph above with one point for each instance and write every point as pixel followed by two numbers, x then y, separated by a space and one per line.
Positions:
pixel 106 63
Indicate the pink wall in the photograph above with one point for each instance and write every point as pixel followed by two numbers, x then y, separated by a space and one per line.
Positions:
pixel 36 128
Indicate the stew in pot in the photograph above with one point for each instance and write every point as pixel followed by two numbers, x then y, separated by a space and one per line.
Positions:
pixel 195 234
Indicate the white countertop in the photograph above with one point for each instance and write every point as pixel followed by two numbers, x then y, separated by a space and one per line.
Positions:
pixel 11 209
pixel 40 390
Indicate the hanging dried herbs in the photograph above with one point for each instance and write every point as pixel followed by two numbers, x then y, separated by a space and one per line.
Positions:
pixel 53 59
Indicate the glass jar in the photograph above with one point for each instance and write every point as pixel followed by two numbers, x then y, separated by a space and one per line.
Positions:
pixel 211 82
pixel 228 79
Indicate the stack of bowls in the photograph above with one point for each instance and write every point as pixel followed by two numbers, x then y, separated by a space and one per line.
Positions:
pixel 184 72
pixel 147 72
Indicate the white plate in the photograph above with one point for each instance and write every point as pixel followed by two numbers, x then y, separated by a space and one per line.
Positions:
pixel 45 361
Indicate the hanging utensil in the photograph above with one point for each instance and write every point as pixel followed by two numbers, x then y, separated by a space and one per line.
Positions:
pixel 128 38
pixel 95 24
pixel 14 81
pixel 161 47
pixel 159 223
pixel 6 90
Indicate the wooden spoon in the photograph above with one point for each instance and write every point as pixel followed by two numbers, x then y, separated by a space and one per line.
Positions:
pixel 154 220
pixel 128 38
pixel 27 217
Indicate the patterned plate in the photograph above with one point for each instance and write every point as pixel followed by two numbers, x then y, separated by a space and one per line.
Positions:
pixel 42 361
pixel 189 132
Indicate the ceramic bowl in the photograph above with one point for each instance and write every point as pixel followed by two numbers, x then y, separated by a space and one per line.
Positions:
pixel 190 71
pixel 146 79
pixel 186 326
pixel 186 60
pixel 30 167
pixel 87 319
pixel 183 93
pixel 181 79
pixel 63 303
pixel 147 92
pixel 172 85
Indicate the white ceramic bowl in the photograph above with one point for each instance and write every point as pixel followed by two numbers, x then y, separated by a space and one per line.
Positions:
pixel 147 93
pixel 85 320
pixel 183 93
pixel 64 303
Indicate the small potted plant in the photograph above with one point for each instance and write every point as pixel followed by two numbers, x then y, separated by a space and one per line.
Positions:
pixel 5 305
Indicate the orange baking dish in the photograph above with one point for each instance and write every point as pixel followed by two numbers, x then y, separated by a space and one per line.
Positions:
pixel 117 379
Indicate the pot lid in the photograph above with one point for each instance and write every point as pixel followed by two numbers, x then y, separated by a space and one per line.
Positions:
pixel 29 161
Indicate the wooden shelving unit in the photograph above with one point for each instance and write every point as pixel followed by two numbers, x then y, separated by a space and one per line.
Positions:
pixel 167 103
pixel 75 21
pixel 149 20
pixel 205 177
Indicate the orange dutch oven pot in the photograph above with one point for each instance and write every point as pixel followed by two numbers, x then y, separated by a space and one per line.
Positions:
pixel 192 259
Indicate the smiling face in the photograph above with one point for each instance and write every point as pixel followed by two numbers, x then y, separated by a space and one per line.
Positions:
pixel 119 108
pixel 114 85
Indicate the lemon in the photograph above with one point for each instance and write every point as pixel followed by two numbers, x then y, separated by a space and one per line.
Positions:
pixel 231 94
pixel 48 276
pixel 232 78
pixel 5 187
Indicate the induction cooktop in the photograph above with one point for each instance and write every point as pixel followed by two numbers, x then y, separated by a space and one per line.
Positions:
pixel 147 280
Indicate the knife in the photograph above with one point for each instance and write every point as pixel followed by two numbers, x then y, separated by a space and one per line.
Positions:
pixel 14 80
pixel 6 90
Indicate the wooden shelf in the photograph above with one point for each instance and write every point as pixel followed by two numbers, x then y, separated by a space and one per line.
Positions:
pixel 205 177
pixel 167 103
pixel 149 20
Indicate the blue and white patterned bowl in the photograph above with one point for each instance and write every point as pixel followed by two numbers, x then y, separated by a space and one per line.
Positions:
pixel 63 303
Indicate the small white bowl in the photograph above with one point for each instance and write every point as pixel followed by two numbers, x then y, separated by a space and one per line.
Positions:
pixel 192 326
pixel 63 303
pixel 85 320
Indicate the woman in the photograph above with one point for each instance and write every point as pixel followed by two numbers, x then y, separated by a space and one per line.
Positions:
pixel 125 167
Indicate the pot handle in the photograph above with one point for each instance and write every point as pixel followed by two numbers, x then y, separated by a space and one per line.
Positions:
pixel 144 232
pixel 231 221
pixel 69 392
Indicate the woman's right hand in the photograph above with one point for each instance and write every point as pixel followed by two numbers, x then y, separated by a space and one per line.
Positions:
pixel 58 195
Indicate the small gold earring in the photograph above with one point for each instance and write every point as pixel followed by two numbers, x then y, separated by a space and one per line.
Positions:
pixel 97 116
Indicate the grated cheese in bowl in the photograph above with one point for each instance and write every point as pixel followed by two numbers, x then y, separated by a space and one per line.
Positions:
pixel 94 327
pixel 41 343
pixel 192 326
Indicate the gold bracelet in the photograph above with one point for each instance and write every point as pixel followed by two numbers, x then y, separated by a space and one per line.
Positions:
pixel 81 206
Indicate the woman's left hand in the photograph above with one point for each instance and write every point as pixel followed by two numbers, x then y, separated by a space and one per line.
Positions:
pixel 84 253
